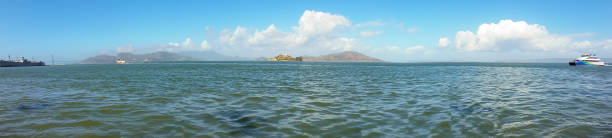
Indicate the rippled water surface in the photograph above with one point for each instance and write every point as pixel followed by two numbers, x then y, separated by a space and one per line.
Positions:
pixel 269 99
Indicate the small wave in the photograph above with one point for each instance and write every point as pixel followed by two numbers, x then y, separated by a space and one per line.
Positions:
pixel 319 100
pixel 33 105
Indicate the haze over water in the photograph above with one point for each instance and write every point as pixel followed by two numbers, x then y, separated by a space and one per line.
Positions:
pixel 271 99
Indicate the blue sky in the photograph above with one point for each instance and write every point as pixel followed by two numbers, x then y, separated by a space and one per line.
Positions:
pixel 73 30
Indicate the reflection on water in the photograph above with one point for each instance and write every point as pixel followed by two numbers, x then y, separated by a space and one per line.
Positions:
pixel 264 99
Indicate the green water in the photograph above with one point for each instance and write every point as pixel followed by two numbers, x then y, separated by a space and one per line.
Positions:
pixel 270 99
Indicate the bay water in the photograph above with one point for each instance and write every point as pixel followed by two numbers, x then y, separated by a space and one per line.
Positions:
pixel 307 99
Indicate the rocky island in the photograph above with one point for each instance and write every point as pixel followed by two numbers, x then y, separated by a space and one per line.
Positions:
pixel 285 57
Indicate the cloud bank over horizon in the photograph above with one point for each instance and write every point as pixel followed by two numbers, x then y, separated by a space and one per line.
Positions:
pixel 508 35
pixel 319 33
pixel 316 33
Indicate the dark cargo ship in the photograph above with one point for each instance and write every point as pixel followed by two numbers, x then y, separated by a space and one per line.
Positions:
pixel 20 63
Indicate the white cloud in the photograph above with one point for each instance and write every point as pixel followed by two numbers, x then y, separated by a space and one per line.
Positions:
pixel 369 33
pixel 175 44
pixel 274 37
pixel 444 42
pixel 509 35
pixel 204 45
pixel 591 46
pixel 371 23
pixel 518 39
pixel 187 42
pixel 170 47
pixel 317 33
pixel 337 43
pixel 415 49
pixel 583 44
pixel 465 41
pixel 233 38
pixel 320 23
pixel 394 48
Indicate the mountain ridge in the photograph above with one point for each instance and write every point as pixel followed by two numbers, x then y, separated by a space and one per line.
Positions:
pixel 161 56
pixel 346 56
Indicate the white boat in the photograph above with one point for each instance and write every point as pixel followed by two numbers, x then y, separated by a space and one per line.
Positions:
pixel 120 61
pixel 587 60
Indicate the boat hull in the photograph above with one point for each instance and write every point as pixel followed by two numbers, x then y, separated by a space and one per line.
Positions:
pixel 585 63
pixel 20 64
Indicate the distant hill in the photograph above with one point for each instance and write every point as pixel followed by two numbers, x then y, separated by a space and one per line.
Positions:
pixel 100 59
pixel 157 56
pixel 212 56
pixel 347 56
pixel 161 56
pixel 133 58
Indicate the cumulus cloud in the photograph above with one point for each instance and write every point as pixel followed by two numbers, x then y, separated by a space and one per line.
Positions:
pixel 371 23
pixel 186 45
pixel 204 45
pixel 236 37
pixel 187 42
pixel 175 44
pixel 509 35
pixel 316 33
pixel 588 46
pixel 415 49
pixel 444 42
pixel 274 37
pixel 369 33
pixel 320 23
